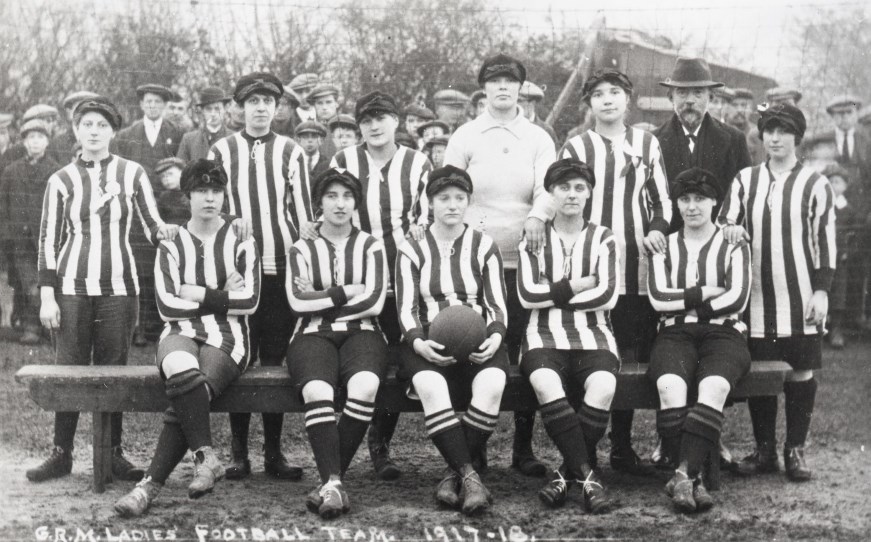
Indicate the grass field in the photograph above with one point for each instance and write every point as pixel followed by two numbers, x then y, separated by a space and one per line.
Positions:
pixel 835 505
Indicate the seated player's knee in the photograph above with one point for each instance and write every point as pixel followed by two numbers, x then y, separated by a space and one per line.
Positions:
pixel 547 384
pixel 186 375
pixel 178 362
pixel 430 386
pixel 317 390
pixel 599 389
pixel 488 385
pixel 363 386
pixel 672 391
pixel 713 391
pixel 799 376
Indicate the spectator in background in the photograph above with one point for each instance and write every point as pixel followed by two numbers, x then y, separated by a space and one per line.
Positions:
pixel 720 106
pixel 300 88
pixel 344 131
pixel 325 99
pixel 450 107
pixel 782 95
pixel 406 140
pixel 22 185
pixel 743 115
pixel 235 118
pixel 435 149
pixel 284 121
pixel 49 116
pixel 177 112
pixel 146 142
pixel 415 116
pixel 846 220
pixel 530 96
pixel 431 129
pixel 477 104
pixel 311 135
pixel 212 106
pixel 173 204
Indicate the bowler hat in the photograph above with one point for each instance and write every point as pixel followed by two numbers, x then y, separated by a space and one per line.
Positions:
pixel 690 73
pixel 210 95
pixel 153 88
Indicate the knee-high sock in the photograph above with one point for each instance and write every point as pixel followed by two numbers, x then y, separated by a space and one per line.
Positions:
pixel 382 428
pixel 352 428
pixel 621 428
pixel 763 415
pixel 799 407
pixel 701 432
pixel 323 434
pixel 272 422
pixel 477 427
pixel 564 427
pixel 594 424
pixel 669 425
pixel 447 435
pixel 524 424
pixel 170 450
pixel 192 410
pixel 240 422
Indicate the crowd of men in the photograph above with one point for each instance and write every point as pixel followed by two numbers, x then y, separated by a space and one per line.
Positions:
pixel 505 152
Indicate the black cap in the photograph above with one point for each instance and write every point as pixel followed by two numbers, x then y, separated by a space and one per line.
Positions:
pixel 615 77
pixel 260 82
pixel 100 105
pixel 445 176
pixel 788 116
pixel 375 103
pixel 336 175
pixel 210 95
pixel 697 180
pixel 405 140
pixel 203 173
pixel 445 128
pixel 152 88
pixel 567 169
pixel 501 64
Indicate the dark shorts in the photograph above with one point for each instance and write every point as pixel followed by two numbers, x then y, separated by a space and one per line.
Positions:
pixel 461 372
pixel 518 318
pixel 571 365
pixel 335 357
pixel 697 351
pixel 388 321
pixel 802 353
pixel 635 325
pixel 218 367
pixel 272 323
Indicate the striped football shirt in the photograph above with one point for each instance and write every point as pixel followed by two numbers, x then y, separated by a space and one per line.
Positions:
pixel 430 279
pixel 791 222
pixel 630 196
pixel 87 213
pixel 264 187
pixel 360 260
pixel 560 318
pixel 676 279
pixel 221 320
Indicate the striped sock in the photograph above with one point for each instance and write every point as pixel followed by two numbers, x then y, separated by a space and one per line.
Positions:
pixel 669 425
pixel 701 431
pixel 323 434
pixel 594 424
pixel 478 426
pixel 352 428
pixel 446 433
pixel 563 426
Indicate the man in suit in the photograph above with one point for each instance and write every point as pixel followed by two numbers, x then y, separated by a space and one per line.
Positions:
pixel 146 142
pixel 212 107
pixel 852 142
pixel 691 137
pixel 743 117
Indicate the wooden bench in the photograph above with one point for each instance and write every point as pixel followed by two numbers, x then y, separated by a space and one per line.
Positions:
pixel 102 390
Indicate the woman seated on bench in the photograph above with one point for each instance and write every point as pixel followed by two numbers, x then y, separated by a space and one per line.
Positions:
pixel 336 283
pixel 207 281
pixel 570 287
pixel 700 285
pixel 453 264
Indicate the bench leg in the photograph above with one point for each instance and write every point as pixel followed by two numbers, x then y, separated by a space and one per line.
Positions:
pixel 712 467
pixel 102 447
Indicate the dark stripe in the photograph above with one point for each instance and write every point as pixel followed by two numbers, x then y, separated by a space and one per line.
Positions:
pixel 787 231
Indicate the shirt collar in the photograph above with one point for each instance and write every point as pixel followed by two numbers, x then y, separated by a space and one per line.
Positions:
pixel 251 139
pixel 153 123
pixel 88 164
pixel 487 122
pixel 839 134
pixel 694 132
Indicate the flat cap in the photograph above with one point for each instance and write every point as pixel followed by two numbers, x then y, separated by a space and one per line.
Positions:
pixel 697 180
pixel 787 115
pixel 211 95
pixel 531 91
pixel 778 94
pixel 153 88
pixel 73 98
pixel 420 112
pixel 477 96
pixel 843 100
pixel 5 120
pixel 33 125
pixel 445 176
pixel 405 140
pixel 260 82
pixel 303 81
pixel 39 111
pixel 437 140
pixel 615 77
pixel 567 169
pixel 310 127
pixel 322 90
pixel 450 96
pixel 291 97
pixel 501 64
pixel 374 103
pixel 202 173
pixel 725 93
pixel 103 106
pixel 430 124
pixel 342 120
pixel 690 73
pixel 744 93
pixel 167 163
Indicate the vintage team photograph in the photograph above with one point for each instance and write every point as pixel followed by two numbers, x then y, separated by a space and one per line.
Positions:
pixel 435 270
